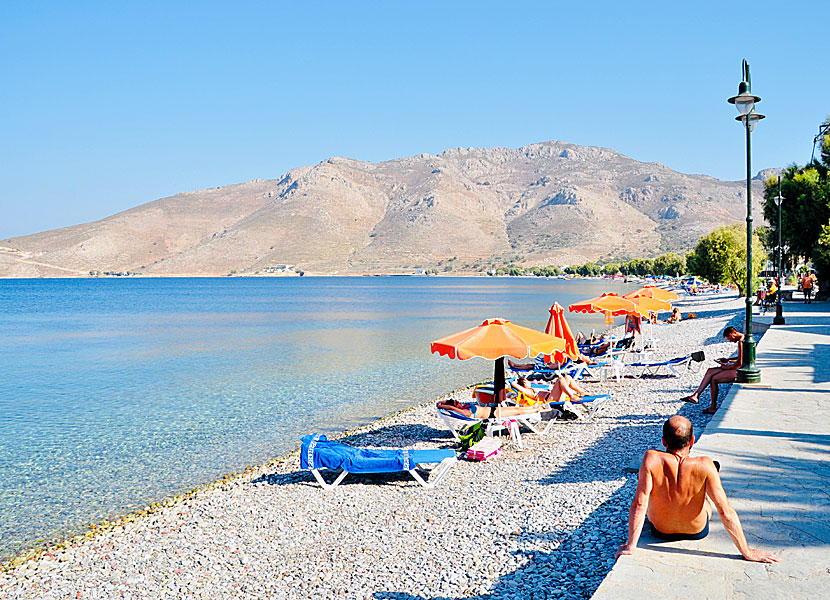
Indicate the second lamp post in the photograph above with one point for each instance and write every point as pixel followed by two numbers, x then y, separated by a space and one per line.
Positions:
pixel 779 311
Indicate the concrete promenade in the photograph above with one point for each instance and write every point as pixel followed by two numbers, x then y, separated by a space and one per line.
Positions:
pixel 773 444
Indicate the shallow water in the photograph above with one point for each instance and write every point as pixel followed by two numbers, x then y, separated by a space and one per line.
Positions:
pixel 115 393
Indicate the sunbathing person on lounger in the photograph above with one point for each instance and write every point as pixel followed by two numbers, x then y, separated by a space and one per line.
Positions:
pixel 581 338
pixel 477 411
pixel 672 495
pixel 626 342
pixel 675 316
pixel 565 388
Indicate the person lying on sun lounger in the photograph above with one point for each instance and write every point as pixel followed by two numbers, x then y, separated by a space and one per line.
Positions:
pixel 565 388
pixel 552 366
pixel 626 342
pixel 581 338
pixel 477 411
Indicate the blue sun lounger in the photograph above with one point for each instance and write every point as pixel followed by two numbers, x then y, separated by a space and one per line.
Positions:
pixel 673 366
pixel 318 452
pixel 542 371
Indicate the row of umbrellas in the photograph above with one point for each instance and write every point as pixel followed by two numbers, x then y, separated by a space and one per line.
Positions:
pixel 496 339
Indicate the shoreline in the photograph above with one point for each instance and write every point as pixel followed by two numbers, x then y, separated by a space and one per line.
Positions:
pixel 96 528
pixel 575 477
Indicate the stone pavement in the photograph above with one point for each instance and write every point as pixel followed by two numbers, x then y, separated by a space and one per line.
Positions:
pixel 773 444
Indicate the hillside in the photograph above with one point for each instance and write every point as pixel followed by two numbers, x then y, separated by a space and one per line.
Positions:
pixel 548 203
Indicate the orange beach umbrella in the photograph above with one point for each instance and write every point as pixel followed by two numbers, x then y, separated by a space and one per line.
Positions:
pixel 494 339
pixel 610 304
pixel 651 291
pixel 644 303
pixel 558 326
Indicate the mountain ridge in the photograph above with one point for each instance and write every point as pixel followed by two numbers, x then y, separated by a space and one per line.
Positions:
pixel 465 209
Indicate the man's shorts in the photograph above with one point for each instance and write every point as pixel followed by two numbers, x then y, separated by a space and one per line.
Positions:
pixel 675 537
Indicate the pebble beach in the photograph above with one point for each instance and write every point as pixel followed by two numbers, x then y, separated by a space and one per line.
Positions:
pixel 541 523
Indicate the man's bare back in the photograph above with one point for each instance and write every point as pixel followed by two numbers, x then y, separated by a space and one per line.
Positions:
pixel 672 488
pixel 678 491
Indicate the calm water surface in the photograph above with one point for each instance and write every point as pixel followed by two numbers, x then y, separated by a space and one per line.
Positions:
pixel 119 392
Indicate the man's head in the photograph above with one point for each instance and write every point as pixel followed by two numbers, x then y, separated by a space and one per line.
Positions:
pixel 732 334
pixel 677 433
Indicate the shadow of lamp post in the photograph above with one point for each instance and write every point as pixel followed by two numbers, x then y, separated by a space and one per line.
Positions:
pixel 745 103
pixel 779 311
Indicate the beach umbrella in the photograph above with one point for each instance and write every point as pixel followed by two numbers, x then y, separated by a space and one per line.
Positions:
pixel 558 326
pixel 650 291
pixel 494 339
pixel 610 304
pixel 647 304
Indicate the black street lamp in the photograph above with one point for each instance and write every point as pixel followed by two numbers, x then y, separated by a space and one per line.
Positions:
pixel 779 311
pixel 745 103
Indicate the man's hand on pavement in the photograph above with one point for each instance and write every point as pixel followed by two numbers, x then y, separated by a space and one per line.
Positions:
pixel 756 555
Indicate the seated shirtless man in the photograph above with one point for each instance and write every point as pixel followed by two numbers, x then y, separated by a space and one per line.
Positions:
pixel 725 373
pixel 672 490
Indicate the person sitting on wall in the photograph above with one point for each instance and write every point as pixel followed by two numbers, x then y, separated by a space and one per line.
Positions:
pixel 725 373
pixel 672 491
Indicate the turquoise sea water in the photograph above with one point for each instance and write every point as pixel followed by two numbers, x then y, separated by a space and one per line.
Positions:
pixel 115 393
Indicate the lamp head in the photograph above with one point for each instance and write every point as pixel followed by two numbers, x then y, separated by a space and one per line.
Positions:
pixel 744 101
pixel 753 117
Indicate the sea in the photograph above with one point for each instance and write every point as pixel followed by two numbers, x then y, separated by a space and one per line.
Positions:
pixel 119 392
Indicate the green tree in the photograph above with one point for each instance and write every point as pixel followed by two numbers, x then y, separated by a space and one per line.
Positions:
pixel 589 269
pixel 670 264
pixel 611 269
pixel 720 257
pixel 805 212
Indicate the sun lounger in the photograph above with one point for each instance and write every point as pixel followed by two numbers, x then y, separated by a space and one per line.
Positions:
pixel 595 402
pixel 674 366
pixel 543 371
pixel 457 422
pixel 317 453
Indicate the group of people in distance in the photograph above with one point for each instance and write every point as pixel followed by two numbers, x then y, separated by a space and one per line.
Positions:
pixel 766 292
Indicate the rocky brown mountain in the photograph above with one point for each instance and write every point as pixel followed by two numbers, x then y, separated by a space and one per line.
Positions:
pixel 465 209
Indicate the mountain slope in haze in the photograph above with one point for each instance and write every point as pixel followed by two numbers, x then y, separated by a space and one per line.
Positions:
pixel 543 204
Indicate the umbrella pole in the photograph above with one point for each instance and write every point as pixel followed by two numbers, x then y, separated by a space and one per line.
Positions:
pixel 499 394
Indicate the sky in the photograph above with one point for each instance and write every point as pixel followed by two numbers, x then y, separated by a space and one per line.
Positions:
pixel 108 105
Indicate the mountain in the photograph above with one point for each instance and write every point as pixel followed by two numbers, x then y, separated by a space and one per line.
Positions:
pixel 551 203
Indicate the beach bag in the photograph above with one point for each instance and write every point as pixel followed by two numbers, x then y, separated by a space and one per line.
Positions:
pixel 471 435
pixel 698 356
pixel 484 449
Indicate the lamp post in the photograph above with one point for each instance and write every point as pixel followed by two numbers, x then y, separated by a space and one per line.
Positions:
pixel 745 103
pixel 779 311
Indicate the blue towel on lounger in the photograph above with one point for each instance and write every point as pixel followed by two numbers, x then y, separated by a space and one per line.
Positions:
pixel 317 452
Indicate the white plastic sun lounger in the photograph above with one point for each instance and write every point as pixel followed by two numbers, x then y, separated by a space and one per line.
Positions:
pixel 457 422
pixel 318 452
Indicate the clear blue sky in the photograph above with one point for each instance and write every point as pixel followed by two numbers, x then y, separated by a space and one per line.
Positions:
pixel 104 106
